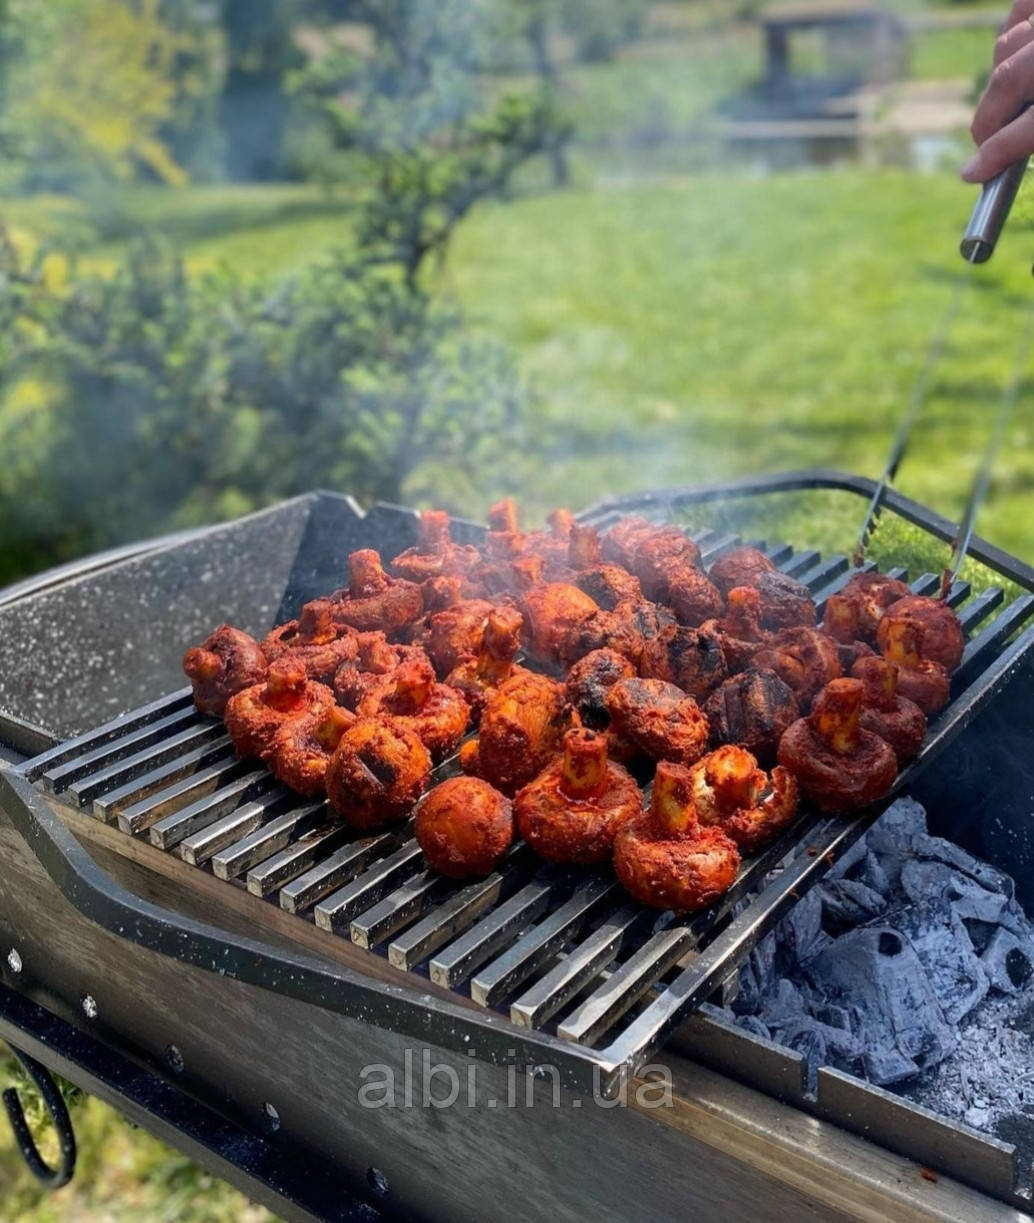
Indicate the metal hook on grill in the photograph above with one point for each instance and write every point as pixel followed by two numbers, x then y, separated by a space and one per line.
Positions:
pixel 52 1178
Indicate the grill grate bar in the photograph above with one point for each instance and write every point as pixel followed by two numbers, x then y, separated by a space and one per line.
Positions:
pixel 294 859
pixel 457 961
pixel 200 846
pixel 981 607
pixel 717 546
pixel 577 970
pixel 139 816
pixel 330 874
pixel 801 563
pixel 536 947
pixel 106 806
pixel 168 832
pixel 110 731
pixel 778 554
pixel 995 636
pixel 86 789
pixel 626 985
pixel 822 574
pixel 403 905
pixel 266 840
pixel 928 584
pixel 336 912
pixel 57 779
pixel 456 914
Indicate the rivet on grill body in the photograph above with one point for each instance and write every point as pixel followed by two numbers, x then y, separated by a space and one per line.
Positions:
pixel 377 1181
pixel 174 1058
pixel 89 1005
pixel 14 961
pixel 272 1117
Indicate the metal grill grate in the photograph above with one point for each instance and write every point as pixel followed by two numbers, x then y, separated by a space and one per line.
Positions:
pixel 560 950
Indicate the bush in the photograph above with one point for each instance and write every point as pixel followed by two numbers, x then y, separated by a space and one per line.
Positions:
pixel 148 400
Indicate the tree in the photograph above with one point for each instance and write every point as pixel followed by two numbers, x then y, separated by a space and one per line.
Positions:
pixel 147 400
pixel 88 86
pixel 434 134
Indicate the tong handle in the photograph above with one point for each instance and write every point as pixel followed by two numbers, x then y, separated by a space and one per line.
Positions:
pixel 992 211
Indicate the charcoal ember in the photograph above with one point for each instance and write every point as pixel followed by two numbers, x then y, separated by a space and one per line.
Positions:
pixel 851 902
pixel 800 935
pixel 922 879
pixel 748 994
pixel 895 830
pixel 940 940
pixel 835 1017
pixel 785 1004
pixel 753 1025
pixel 849 860
pixel 940 850
pixel 842 1042
pixel 874 876
pixel 763 961
pixel 1008 961
pixel 876 972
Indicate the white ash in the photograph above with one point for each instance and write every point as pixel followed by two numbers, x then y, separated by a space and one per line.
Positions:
pixel 911 965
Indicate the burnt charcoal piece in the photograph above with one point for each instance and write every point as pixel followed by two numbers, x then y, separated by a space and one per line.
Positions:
pixel 901 1025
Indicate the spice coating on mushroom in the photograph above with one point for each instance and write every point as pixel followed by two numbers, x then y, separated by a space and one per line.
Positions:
pixel 666 859
pixel 464 826
pixel 840 766
pixel 575 808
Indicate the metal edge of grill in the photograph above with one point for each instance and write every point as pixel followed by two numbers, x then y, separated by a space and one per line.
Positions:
pixel 559 953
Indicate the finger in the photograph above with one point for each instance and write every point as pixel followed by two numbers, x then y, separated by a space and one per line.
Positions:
pixel 1013 40
pixel 1010 87
pixel 996 154
pixel 1022 10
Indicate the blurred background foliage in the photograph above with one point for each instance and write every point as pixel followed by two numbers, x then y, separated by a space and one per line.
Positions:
pixel 435 251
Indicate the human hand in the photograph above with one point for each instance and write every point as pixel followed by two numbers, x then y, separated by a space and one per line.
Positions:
pixel 1003 126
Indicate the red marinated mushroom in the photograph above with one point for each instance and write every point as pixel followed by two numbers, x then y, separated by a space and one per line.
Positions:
pixel 805 659
pixel 749 805
pixel 520 732
pixel 315 640
pixel 591 679
pixel 929 627
pixel 478 678
pixel 373 601
pixel 411 695
pixel 254 715
pixel 739 567
pixel 666 858
pixel 302 748
pixel 691 658
pixel 464 827
pixel 659 719
pixel 226 663
pixel 379 769
pixel 886 712
pixel 840 766
pixel 577 805
pixel 753 710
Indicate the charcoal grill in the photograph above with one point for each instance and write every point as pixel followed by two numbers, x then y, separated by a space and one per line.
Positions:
pixel 535 966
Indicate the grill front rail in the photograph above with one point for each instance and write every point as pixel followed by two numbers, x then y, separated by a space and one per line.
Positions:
pixel 559 952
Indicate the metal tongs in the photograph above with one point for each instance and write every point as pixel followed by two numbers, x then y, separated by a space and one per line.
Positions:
pixel 978 245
